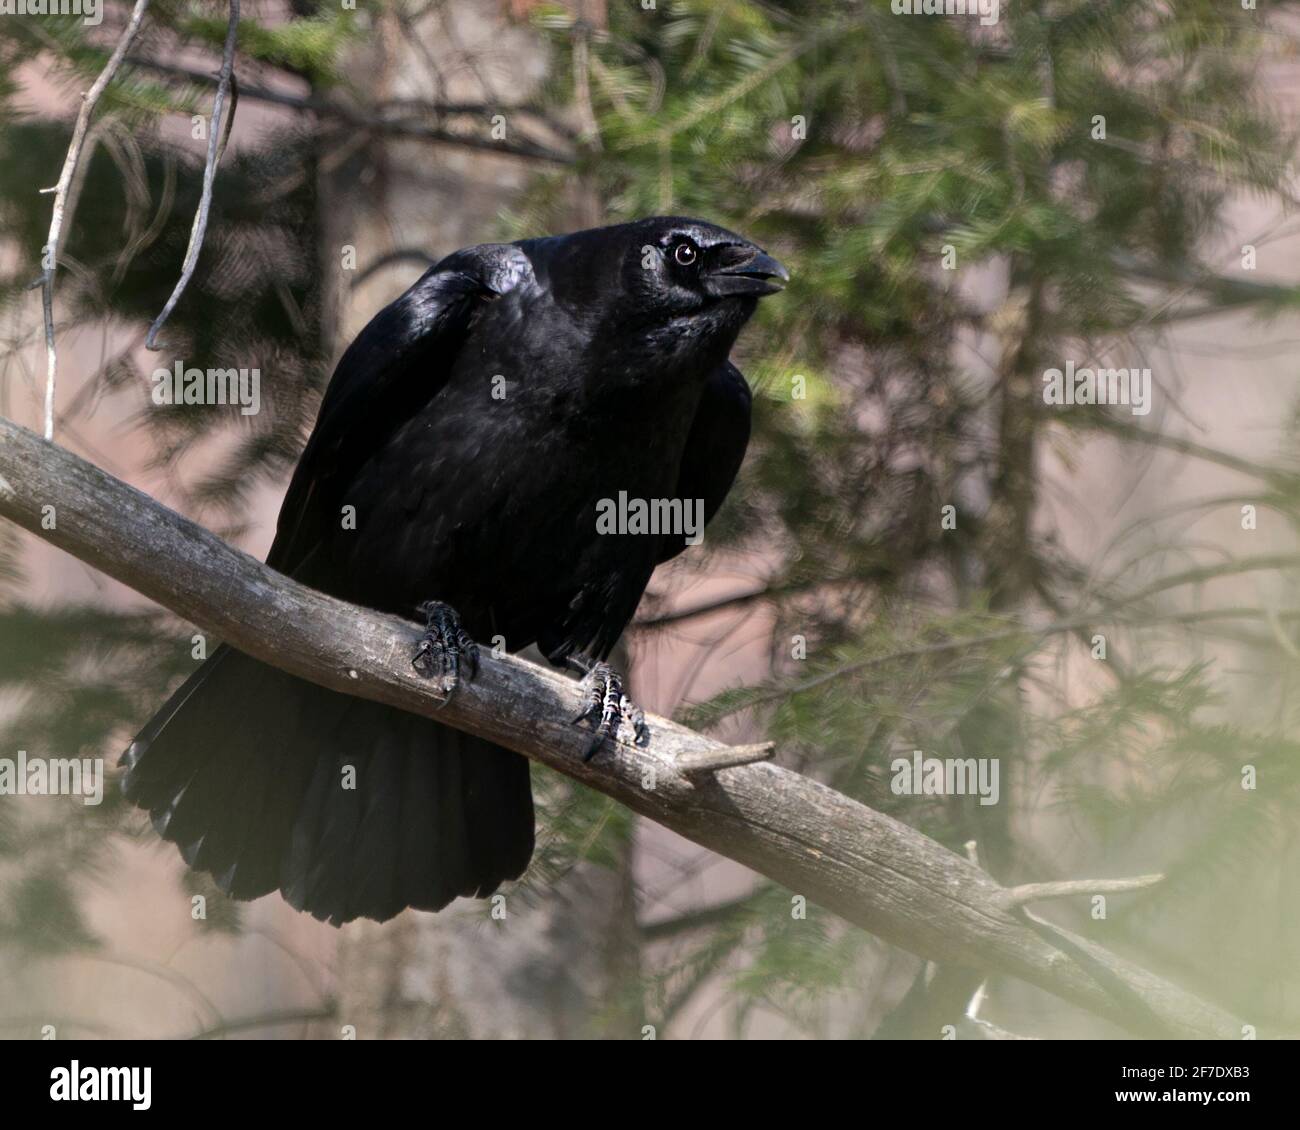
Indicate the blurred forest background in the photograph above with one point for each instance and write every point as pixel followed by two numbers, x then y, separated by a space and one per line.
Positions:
pixel 961 207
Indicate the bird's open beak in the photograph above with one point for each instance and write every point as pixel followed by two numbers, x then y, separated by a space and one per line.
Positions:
pixel 744 270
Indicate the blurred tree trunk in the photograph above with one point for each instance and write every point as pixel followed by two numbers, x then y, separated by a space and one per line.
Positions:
pixel 552 968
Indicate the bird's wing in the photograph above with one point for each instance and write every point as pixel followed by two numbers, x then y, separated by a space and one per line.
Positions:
pixel 715 447
pixel 396 364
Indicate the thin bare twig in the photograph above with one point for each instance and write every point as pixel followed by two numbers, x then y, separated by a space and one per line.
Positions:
pixel 1033 892
pixel 216 144
pixel 88 102
pixel 708 760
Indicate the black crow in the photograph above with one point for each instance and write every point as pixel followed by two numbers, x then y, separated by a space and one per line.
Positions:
pixel 467 443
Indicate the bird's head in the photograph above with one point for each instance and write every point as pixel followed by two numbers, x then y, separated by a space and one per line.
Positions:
pixel 688 287
pixel 680 266
pixel 660 295
pixel 659 271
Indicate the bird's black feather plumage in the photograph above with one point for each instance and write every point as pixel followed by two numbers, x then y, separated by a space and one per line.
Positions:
pixel 460 452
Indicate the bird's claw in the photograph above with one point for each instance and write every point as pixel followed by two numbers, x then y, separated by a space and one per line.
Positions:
pixel 607 708
pixel 443 646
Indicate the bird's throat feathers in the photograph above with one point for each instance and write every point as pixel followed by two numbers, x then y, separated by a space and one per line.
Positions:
pixel 664 353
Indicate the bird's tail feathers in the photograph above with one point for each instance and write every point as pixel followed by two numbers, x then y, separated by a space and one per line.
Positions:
pixel 351 808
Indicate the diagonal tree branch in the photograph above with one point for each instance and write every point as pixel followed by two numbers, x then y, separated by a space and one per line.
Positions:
pixel 860 864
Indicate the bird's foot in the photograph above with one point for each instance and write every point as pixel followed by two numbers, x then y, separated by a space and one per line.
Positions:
pixel 607 707
pixel 443 647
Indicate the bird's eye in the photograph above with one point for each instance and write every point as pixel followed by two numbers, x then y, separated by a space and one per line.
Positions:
pixel 685 253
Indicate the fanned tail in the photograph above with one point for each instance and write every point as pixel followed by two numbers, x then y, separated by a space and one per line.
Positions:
pixel 351 808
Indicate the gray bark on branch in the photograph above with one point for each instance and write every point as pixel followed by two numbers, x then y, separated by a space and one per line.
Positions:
pixel 864 866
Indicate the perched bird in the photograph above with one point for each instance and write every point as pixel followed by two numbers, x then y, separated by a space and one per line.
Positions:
pixel 463 446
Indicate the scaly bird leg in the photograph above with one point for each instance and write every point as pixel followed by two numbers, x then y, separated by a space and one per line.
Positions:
pixel 442 647
pixel 606 706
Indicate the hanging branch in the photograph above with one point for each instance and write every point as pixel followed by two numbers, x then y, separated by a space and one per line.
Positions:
pixel 868 868
pixel 89 100
pixel 414 118
pixel 216 145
